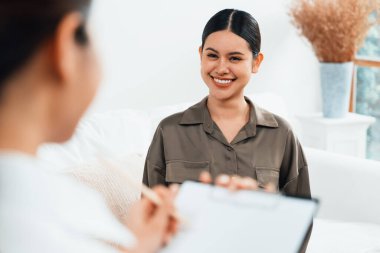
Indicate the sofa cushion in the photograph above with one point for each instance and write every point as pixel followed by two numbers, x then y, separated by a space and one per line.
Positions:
pixel 119 133
pixel 348 187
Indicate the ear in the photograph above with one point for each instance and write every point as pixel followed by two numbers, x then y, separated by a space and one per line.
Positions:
pixel 200 52
pixel 256 63
pixel 65 47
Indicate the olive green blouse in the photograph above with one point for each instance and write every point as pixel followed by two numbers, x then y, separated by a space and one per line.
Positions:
pixel 265 149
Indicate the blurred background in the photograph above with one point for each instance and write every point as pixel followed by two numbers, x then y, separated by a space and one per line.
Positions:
pixel 149 51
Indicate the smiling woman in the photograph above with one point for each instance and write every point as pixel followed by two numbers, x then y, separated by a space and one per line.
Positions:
pixel 226 133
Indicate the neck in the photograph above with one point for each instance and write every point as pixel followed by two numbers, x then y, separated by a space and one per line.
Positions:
pixel 228 109
pixel 20 130
pixel 16 135
pixel 22 124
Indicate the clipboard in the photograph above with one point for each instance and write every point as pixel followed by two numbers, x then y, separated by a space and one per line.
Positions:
pixel 220 221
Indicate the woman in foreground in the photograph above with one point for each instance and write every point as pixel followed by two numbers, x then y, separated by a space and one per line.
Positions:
pixel 48 77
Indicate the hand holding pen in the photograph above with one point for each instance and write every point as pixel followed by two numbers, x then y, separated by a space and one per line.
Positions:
pixel 153 220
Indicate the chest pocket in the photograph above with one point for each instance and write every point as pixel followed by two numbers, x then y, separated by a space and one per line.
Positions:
pixel 267 175
pixel 180 171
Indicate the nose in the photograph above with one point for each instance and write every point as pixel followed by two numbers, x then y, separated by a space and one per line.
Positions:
pixel 222 68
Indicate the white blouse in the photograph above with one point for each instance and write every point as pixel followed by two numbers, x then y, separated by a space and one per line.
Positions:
pixel 42 211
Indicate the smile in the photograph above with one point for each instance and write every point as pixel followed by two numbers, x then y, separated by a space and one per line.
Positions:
pixel 222 82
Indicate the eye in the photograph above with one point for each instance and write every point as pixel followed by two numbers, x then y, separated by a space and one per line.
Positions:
pixel 212 56
pixel 235 59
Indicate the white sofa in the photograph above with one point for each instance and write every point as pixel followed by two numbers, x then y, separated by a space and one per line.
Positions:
pixel 348 188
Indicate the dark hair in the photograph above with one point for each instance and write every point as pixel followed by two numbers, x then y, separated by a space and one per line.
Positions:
pixel 240 23
pixel 26 24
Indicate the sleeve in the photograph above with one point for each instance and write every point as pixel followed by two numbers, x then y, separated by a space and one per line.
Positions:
pixel 294 175
pixel 155 166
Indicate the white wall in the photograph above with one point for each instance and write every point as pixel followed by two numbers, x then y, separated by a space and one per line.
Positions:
pixel 149 51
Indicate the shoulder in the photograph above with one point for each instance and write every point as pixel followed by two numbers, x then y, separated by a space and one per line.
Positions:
pixel 171 120
pixel 191 116
pixel 283 123
pixel 269 119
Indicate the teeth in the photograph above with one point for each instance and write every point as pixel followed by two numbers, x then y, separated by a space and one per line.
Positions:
pixel 222 81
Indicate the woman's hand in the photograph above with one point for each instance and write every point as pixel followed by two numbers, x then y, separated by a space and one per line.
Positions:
pixel 235 182
pixel 153 225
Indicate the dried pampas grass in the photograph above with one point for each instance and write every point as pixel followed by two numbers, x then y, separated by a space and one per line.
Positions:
pixel 335 28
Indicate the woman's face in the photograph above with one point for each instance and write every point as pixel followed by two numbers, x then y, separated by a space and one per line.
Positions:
pixel 227 64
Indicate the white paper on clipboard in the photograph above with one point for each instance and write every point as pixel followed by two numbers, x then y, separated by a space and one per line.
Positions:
pixel 220 221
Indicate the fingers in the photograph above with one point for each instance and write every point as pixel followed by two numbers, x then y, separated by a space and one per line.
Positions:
pixel 235 183
pixel 139 216
pixel 223 180
pixel 159 223
pixel 241 183
pixel 231 182
pixel 167 195
pixel 270 187
pixel 142 209
pixel 160 218
pixel 205 177
pixel 174 188
pixel 172 229
pixel 247 183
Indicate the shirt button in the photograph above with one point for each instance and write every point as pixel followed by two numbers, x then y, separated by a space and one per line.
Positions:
pixel 229 148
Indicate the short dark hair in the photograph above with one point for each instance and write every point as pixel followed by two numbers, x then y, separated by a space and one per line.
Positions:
pixel 240 23
pixel 26 24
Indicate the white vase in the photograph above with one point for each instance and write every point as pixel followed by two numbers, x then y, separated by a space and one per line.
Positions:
pixel 336 85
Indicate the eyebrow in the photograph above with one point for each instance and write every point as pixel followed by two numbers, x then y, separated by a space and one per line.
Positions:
pixel 231 53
